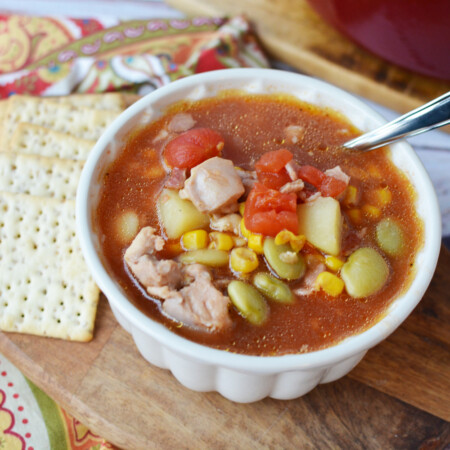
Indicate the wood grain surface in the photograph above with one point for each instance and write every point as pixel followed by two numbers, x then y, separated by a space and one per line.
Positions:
pixel 397 397
pixel 290 31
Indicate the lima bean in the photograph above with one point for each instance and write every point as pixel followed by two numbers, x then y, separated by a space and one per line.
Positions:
pixel 249 302
pixel 273 288
pixel 364 273
pixel 208 257
pixel 284 270
pixel 390 237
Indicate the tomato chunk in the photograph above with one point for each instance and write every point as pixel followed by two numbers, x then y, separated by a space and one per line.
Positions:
pixel 268 211
pixel 332 187
pixel 328 186
pixel 192 147
pixel 273 161
pixel 274 180
pixel 270 168
pixel 311 175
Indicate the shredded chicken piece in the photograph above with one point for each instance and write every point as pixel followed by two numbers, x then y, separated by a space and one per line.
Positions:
pixel 163 134
pixel 214 186
pixel 294 133
pixel 146 267
pixel 248 177
pixel 292 170
pixel 199 304
pixel 181 122
pixel 338 173
pixel 187 292
pixel 176 178
pixel 307 285
pixel 229 222
pixel 289 257
pixel 293 186
pixel 313 197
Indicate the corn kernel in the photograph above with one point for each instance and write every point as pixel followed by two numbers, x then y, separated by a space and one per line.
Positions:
pixel 255 242
pixel 372 211
pixel 333 263
pixel 220 241
pixel 382 196
pixel 297 241
pixel 245 233
pixel 242 208
pixel 194 240
pixel 243 260
pixel 355 215
pixel 329 283
pixel 351 196
pixel 239 241
pixel 375 171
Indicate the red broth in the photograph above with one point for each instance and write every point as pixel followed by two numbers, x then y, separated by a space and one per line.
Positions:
pixel 252 125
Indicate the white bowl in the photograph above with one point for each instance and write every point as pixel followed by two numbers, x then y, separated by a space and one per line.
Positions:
pixel 239 377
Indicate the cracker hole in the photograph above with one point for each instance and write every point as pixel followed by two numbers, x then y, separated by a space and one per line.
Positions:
pixel 8 287
pixel 44 291
pixel 78 314
pixel 58 320
pixel 5 304
pixel 25 298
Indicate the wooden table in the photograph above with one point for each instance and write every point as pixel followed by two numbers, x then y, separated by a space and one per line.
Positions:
pixel 397 397
pixel 290 31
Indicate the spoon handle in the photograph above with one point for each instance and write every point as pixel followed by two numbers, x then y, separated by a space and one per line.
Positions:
pixel 427 117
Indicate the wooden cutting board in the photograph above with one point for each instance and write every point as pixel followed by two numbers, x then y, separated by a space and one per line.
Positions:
pixel 290 31
pixel 397 397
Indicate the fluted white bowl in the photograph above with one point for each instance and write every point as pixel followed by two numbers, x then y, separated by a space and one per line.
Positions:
pixel 238 377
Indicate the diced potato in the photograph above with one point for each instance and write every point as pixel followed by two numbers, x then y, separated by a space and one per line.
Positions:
pixel 364 273
pixel 320 222
pixel 127 225
pixel 390 237
pixel 179 216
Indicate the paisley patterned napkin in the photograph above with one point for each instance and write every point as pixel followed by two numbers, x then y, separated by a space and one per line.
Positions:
pixel 56 56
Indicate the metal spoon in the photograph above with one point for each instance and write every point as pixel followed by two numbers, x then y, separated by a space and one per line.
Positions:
pixel 432 115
